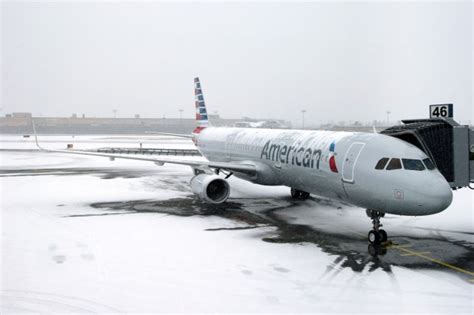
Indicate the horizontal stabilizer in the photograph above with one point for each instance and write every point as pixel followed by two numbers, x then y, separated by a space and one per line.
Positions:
pixel 170 134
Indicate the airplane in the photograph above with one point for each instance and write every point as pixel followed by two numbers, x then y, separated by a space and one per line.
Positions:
pixel 373 171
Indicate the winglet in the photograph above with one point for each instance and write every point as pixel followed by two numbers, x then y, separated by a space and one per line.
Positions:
pixel 36 136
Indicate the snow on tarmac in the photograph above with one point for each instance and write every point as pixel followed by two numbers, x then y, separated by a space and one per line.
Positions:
pixel 82 234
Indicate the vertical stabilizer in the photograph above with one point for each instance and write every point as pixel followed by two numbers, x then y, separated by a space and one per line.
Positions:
pixel 201 113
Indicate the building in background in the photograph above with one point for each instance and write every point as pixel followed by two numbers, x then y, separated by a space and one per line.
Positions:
pixel 21 123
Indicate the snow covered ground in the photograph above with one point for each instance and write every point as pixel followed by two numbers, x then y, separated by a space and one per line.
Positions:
pixel 83 234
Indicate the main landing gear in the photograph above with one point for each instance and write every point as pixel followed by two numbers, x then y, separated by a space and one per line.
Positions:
pixel 376 235
pixel 298 194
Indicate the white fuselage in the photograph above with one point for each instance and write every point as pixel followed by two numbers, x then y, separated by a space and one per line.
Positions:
pixel 336 165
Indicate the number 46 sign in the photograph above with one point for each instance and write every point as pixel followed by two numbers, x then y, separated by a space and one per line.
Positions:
pixel 441 111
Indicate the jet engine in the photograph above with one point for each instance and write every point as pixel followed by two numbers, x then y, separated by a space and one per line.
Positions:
pixel 210 188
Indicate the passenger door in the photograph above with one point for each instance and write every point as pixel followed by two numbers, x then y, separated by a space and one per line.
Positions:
pixel 350 161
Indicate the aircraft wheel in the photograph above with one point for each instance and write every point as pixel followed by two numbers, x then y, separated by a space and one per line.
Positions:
pixel 383 236
pixel 295 194
pixel 374 237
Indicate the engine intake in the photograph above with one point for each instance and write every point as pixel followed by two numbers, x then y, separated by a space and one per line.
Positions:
pixel 210 188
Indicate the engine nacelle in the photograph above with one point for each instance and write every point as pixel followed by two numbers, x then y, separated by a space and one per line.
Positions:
pixel 210 188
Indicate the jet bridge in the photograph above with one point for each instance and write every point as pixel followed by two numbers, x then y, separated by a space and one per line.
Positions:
pixel 449 145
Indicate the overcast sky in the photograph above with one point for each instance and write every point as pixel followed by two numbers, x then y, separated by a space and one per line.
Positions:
pixel 338 61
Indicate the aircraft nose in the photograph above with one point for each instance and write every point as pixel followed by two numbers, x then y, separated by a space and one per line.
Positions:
pixel 438 195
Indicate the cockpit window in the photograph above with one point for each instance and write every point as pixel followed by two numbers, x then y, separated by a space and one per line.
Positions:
pixel 394 164
pixel 381 164
pixel 429 164
pixel 413 165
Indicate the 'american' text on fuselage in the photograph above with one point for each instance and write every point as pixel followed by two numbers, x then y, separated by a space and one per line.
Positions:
pixel 294 155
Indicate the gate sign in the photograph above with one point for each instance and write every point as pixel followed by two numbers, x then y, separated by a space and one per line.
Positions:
pixel 441 111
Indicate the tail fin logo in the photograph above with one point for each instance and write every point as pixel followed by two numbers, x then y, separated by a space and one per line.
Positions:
pixel 201 112
pixel 332 159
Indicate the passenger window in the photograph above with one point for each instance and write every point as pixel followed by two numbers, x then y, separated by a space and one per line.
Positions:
pixel 394 164
pixel 429 164
pixel 381 164
pixel 413 165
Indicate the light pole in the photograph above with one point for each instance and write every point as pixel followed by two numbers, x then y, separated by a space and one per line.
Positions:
pixel 388 117
pixel 115 113
pixel 180 115
pixel 302 113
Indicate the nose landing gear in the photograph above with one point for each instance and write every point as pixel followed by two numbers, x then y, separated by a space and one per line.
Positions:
pixel 376 235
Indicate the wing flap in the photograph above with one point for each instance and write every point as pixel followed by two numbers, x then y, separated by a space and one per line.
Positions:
pixel 235 167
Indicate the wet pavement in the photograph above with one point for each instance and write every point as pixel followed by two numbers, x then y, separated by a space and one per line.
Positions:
pixel 350 250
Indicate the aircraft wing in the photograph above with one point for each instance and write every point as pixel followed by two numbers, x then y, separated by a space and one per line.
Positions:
pixel 229 166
